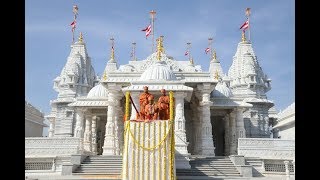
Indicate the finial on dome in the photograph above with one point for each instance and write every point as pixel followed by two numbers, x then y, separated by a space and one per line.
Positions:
pixel 80 38
pixel 191 61
pixel 214 55
pixel 160 48
pixel 112 49
pixel 243 38
pixel 104 76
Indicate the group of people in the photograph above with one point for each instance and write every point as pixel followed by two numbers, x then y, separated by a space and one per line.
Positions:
pixel 149 110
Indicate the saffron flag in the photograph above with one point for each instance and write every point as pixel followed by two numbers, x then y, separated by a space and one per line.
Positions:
pixel 186 53
pixel 245 25
pixel 73 25
pixel 147 30
pixel 207 50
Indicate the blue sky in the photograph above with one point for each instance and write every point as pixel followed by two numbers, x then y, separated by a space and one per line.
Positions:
pixel 48 37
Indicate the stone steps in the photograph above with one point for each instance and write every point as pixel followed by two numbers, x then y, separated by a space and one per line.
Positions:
pixel 201 167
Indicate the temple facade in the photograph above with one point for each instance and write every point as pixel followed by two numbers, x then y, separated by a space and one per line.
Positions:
pixel 212 108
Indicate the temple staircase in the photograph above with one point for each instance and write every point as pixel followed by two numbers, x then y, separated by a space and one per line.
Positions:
pixel 100 165
pixel 217 166
pixel 201 167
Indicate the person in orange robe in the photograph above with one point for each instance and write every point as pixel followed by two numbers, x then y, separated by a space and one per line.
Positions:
pixel 163 104
pixel 151 110
pixel 143 99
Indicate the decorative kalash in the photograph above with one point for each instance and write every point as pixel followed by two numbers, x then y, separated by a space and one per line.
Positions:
pixel 149 139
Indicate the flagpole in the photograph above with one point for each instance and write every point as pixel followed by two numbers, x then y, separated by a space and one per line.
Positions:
pixel 75 13
pixel 210 45
pixel 248 17
pixel 189 50
pixel 134 51
pixel 152 13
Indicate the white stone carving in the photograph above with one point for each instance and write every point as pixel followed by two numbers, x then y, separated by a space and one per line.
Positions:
pixel 52 146
pixel 266 148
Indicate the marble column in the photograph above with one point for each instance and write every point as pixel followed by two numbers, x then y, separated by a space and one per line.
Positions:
pixel 79 130
pixel 233 138
pixel 87 133
pixel 94 135
pixel 181 143
pixel 135 99
pixel 226 120
pixel 204 129
pixel 241 132
pixel 119 120
pixel 286 163
pixel 111 140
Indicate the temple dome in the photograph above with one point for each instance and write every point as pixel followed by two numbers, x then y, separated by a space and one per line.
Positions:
pixel 221 90
pixel 158 71
pixel 99 91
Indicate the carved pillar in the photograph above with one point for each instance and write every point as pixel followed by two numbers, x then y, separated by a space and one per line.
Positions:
pixel 204 129
pixel 94 135
pixel 286 163
pixel 233 138
pixel 118 119
pixel 120 129
pixel 87 133
pixel 111 140
pixel 135 99
pixel 79 123
pixel 181 143
pixel 241 132
pixel 79 130
pixel 227 135
pixel 196 128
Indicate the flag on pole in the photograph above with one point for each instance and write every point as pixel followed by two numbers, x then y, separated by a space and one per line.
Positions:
pixel 207 50
pixel 73 25
pixel 245 25
pixel 186 53
pixel 248 12
pixel 147 30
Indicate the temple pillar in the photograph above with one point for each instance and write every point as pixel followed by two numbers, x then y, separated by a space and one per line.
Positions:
pixel 118 128
pixel 233 138
pixel 111 140
pixel 94 135
pixel 79 130
pixel 241 132
pixel 87 133
pixel 180 121
pixel 203 132
pixel 226 120
pixel 181 144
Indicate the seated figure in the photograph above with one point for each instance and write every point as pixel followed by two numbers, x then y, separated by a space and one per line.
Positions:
pixel 151 110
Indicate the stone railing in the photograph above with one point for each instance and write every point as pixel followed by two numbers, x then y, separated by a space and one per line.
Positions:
pixel 51 146
pixel 267 148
